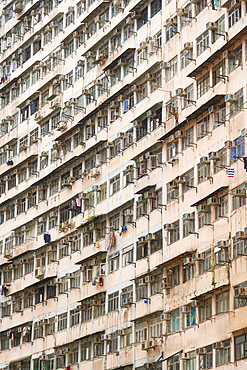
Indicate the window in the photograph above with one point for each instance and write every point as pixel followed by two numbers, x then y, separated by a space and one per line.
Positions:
pixel 141 333
pixel 219 115
pixel 86 313
pixel 171 108
pixel 203 85
pixel 86 349
pixel 223 355
pixel 239 247
pixel 156 284
pixel 156 6
pixel 206 263
pixel 172 150
pixel 173 325
pixel 234 16
pixel 173 232
pixel 62 321
pixel 219 32
pixel 221 209
pixel 237 104
pixel 173 363
pixel 221 161
pixel 206 360
pixel 240 344
pixel 173 276
pixel 74 317
pixel 126 339
pixel 188 272
pixel 141 57
pixel 156 244
pixel 171 30
pixel 203 127
pixel 236 58
pixel 113 301
pixel 143 18
pixel 203 171
pixel 113 343
pixel 186 57
pixel 200 5
pixel 204 218
pixel 190 363
pixel 202 43
pixel 141 291
pixel 205 309
pixel 188 138
pixel 128 255
pixel 173 68
pixel 188 97
pixel 189 318
pixel 188 182
pixel 219 72
pixel 222 302
pixel 115 184
pixel 113 262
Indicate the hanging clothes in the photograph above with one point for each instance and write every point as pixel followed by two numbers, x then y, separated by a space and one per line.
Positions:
pixel 47 238
pixel 112 239
pixel 78 202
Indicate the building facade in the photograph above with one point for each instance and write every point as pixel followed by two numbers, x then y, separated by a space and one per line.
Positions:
pixel 123 230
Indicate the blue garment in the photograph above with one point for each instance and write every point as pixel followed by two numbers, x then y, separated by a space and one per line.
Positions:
pixel 47 238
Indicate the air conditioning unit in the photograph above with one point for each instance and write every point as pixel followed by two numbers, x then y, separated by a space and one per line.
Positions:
pixel 37 116
pixel 129 20
pixel 141 282
pixel 201 351
pixel 136 88
pixel 240 292
pixel 44 154
pixel 127 301
pixel 150 77
pixel 180 12
pixel 184 309
pixel 173 184
pixel 179 92
pixel 94 172
pixel 218 345
pixel 171 138
pixel 137 124
pixel 166 284
pixel 165 317
pixel 149 279
pixel 143 45
pixel 204 160
pixel 211 26
pixel 170 22
pixel 197 257
pixel 151 114
pixel 168 227
pixel 122 62
pixel 135 15
pixel 181 179
pixel 61 126
pixel 240 235
pixel 213 155
pixel 212 201
pixel 102 114
pixel 187 216
pixel 178 134
pixel 173 111
pixel 188 261
pixel 39 272
pixel 203 209
pixel 164 65
pixel 230 98
pixel 241 193
pixel 149 237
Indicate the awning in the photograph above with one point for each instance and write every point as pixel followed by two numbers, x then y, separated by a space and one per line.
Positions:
pixel 209 195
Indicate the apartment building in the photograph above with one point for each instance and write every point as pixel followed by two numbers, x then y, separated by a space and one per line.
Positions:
pixel 123 230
